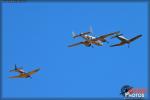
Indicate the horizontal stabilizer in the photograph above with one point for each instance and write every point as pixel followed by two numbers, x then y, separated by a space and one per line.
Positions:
pixel 74 35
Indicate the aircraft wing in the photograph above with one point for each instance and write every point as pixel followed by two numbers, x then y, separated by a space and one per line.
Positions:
pixel 102 37
pixel 119 44
pixel 34 71
pixel 84 42
pixel 75 44
pixel 135 38
pixel 19 76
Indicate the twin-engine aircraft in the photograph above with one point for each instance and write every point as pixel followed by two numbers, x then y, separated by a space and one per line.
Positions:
pixel 89 40
pixel 124 40
pixel 22 73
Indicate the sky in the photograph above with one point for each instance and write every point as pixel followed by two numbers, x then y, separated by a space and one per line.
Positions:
pixel 36 35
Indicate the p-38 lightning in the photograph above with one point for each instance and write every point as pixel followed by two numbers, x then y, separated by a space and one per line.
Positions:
pixel 22 73
pixel 89 40
pixel 124 40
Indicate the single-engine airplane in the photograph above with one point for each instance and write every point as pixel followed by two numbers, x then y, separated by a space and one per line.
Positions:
pixel 89 40
pixel 124 40
pixel 23 74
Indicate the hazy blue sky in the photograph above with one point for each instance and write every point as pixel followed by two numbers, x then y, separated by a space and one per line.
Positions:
pixel 37 35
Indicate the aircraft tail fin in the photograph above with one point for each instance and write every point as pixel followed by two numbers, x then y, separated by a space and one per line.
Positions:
pixel 74 35
pixel 90 29
pixel 15 66
pixel 15 69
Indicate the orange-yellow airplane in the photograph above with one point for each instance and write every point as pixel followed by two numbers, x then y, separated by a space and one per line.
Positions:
pixel 23 74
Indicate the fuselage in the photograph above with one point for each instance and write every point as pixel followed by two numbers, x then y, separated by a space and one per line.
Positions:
pixel 90 40
pixel 88 37
pixel 22 72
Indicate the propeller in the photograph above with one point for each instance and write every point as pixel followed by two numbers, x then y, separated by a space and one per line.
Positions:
pixel 128 45
pixel 92 46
